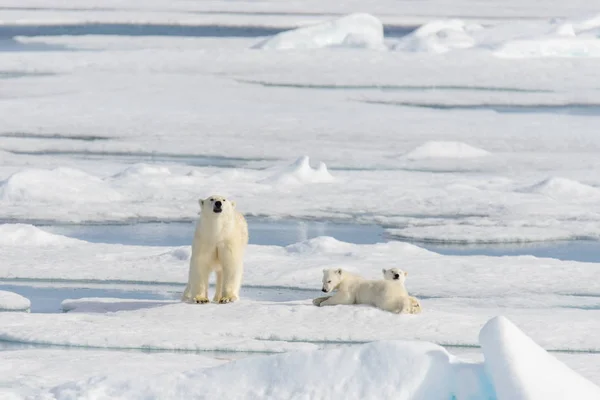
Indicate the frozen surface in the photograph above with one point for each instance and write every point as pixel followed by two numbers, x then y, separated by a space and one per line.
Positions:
pixel 104 121
pixel 29 372
pixel 445 150
pixel 457 293
pixel 384 370
pixel 356 30
pixel 10 301
pixel 521 370
pixel 522 39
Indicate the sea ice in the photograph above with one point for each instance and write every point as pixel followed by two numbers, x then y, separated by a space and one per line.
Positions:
pixel 10 301
pixel 355 30
pixel 522 370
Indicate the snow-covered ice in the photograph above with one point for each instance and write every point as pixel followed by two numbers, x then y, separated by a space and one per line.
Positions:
pixel 10 301
pixel 457 132
pixel 300 172
pixel 356 30
pixel 521 370
pixel 382 369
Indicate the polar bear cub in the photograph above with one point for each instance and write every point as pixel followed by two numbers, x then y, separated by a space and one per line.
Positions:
pixel 353 289
pixel 399 276
pixel 220 240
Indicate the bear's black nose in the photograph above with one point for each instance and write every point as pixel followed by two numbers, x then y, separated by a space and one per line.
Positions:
pixel 396 276
pixel 323 290
pixel 218 204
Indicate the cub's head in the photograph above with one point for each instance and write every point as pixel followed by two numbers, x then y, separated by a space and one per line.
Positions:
pixel 332 279
pixel 216 205
pixel 394 274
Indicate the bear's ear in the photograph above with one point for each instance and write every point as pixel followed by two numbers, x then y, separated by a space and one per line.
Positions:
pixel 232 204
pixel 405 273
pixel 324 270
pixel 201 202
pixel 338 271
pixel 383 270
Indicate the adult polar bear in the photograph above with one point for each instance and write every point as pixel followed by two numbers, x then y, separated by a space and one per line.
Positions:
pixel 219 244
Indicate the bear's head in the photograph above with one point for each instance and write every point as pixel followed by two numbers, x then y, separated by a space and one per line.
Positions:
pixel 394 274
pixel 216 205
pixel 332 279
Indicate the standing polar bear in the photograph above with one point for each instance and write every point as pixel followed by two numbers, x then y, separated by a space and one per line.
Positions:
pixel 399 276
pixel 353 289
pixel 219 244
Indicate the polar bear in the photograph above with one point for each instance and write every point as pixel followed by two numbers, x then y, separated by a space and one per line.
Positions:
pixel 399 276
pixel 353 289
pixel 220 240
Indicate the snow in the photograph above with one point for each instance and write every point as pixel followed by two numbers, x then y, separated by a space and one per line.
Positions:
pixel 514 367
pixel 107 304
pixel 521 370
pixel 383 370
pixel 514 39
pixel 300 172
pixel 445 150
pixel 440 37
pixel 13 302
pixel 458 295
pixel 23 235
pixel 458 132
pixel 565 189
pixel 356 30
pixel 59 184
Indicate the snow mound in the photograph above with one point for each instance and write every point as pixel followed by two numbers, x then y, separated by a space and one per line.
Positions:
pixel 456 150
pixel 564 189
pixel 577 38
pixel 60 184
pixel 320 245
pixel 439 36
pixel 515 39
pixel 381 370
pixel 300 172
pixel 10 301
pixel 522 370
pixel 29 235
pixel 143 170
pixel 355 30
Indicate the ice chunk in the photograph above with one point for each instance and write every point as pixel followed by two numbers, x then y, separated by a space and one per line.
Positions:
pixel 522 370
pixel 29 235
pixel 564 189
pixel 60 184
pixel 355 30
pixel 107 304
pixel 10 301
pixel 439 36
pixel 445 150
pixel 300 172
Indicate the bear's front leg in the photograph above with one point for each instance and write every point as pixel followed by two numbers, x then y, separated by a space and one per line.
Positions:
pixel 317 302
pixel 198 280
pixel 338 298
pixel 218 287
pixel 230 257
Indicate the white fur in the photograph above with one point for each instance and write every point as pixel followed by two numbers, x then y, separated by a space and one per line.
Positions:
pixel 398 276
pixel 353 289
pixel 219 244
